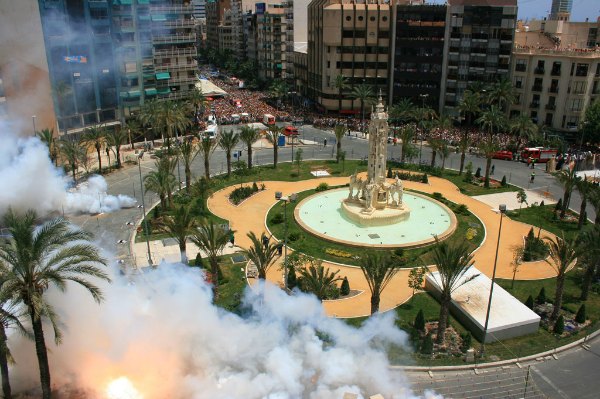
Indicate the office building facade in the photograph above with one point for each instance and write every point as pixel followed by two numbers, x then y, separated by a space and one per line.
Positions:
pixel 418 53
pixel 477 46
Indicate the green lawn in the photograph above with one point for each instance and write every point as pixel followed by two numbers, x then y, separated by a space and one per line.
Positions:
pixel 543 216
pixel 316 247
pixel 231 288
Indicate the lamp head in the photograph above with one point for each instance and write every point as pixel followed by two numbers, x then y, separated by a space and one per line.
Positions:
pixel 502 208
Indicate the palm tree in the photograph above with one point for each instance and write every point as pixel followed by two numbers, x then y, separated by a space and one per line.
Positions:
pixel 10 317
pixel 523 127
pixel 562 252
pixel 73 152
pixel 339 131
pixel 188 151
pixel 589 256
pixel 211 239
pixel 406 135
pixel 198 101
pixel 341 84
pixel 172 117
pixel 402 112
pixel 179 226
pixel 95 136
pixel 492 120
pixel 568 178
pixel 469 106
pixel 115 139
pixel 278 89
pixel 317 279
pixel 161 181
pixel 133 128
pixel 434 144
pixel 444 151
pixel 452 261
pixel 149 117
pixel 47 137
pixel 488 147
pixel 227 141
pixel 262 256
pixel 364 93
pixel 207 147
pixel 248 135
pixel 272 135
pixel 502 93
pixel 378 270
pixel 463 144
pixel 53 254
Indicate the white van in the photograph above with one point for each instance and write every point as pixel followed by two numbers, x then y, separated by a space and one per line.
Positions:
pixel 211 131
pixel 268 119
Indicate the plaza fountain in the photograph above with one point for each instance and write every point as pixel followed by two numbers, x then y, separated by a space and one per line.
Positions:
pixel 376 211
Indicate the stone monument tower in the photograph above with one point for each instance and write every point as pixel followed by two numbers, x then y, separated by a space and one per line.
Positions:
pixel 376 201
pixel 378 134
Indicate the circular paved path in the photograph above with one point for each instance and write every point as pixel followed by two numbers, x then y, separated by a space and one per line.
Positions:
pixel 250 216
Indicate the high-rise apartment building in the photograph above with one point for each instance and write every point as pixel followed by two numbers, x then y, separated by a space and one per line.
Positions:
pixel 556 73
pixel 199 9
pixel 477 46
pixel 561 10
pixel 351 39
pixel 275 40
pixel 419 31
pixel 106 58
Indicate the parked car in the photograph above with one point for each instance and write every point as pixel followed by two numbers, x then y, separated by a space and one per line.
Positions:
pixel 504 154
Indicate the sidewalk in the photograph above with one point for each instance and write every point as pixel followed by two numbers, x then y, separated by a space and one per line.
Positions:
pixel 167 250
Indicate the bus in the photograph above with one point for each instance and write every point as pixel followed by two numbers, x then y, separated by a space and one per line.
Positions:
pixel 540 154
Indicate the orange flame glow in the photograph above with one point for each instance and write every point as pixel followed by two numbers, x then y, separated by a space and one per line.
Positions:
pixel 122 388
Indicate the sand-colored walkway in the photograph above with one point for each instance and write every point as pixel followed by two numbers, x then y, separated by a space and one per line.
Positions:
pixel 250 216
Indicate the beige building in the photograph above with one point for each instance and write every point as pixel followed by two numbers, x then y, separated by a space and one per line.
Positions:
pixel 25 93
pixel 556 73
pixel 348 38
pixel 275 40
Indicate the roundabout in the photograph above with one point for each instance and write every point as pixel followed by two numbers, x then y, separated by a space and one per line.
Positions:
pixel 324 215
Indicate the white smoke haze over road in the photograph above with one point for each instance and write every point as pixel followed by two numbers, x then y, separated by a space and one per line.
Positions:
pixel 30 181
pixel 161 337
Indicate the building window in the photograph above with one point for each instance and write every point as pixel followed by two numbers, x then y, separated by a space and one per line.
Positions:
pixel 521 66
pixel 518 82
pixel 582 69
pixel 556 68
pixel 576 104
pixel 579 88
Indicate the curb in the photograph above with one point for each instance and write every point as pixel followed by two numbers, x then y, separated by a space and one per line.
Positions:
pixel 499 363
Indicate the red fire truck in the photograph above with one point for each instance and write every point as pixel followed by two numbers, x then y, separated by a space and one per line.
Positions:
pixel 540 154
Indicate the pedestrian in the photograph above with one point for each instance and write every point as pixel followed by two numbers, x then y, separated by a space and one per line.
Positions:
pixel 265 240
pixel 324 142
pixel 493 168
pixel 280 248
pixel 532 177
pixel 232 238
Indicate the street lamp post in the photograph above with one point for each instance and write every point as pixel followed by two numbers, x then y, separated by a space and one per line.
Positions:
pixel 144 209
pixel 502 209
pixel 285 235
pixel 423 97
pixel 33 120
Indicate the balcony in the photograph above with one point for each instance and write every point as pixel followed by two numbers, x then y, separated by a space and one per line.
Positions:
pixel 553 90
pixel 539 71
pixel 174 39
pixel 555 72
pixel 191 51
pixel 175 67
pixel 536 88
pixel 551 107
pixel 534 104
pixel 520 67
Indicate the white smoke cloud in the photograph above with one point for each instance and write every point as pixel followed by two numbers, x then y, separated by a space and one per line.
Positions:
pixel 161 337
pixel 31 181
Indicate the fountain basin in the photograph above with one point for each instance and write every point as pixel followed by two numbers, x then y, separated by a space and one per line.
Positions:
pixel 322 215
